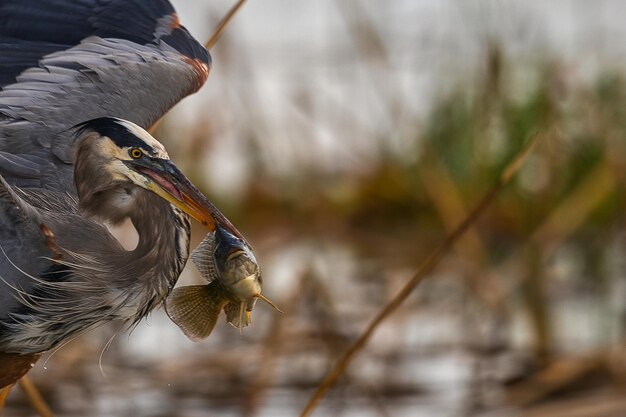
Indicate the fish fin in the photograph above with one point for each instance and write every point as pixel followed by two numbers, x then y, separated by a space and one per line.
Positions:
pixel 195 309
pixel 235 315
pixel 241 318
pixel 202 257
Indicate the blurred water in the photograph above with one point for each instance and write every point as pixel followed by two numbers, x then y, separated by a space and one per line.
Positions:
pixel 156 371
pixel 421 363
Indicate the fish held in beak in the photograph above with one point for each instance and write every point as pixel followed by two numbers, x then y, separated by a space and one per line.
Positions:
pixel 235 284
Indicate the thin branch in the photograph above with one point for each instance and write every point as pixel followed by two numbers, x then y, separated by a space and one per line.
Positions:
pixel 4 393
pixel 222 24
pixel 35 398
pixel 425 268
pixel 209 44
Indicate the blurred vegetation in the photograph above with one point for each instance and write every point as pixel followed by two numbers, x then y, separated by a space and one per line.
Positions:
pixel 472 132
pixel 550 238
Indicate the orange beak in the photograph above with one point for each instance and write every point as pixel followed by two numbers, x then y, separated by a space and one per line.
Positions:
pixel 173 186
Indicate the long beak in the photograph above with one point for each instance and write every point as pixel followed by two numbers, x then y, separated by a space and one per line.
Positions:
pixel 171 185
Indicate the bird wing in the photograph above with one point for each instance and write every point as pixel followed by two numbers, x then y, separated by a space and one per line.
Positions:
pixel 40 297
pixel 24 250
pixel 63 62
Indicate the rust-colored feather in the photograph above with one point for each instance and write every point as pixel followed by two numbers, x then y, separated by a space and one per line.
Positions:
pixel 14 366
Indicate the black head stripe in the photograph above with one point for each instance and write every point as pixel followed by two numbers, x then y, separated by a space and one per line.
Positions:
pixel 118 133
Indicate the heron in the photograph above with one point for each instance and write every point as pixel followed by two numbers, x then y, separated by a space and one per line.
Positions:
pixel 80 81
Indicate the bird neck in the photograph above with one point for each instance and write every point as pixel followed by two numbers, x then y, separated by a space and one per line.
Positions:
pixel 163 246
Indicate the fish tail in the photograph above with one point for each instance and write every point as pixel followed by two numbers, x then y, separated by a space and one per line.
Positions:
pixel 195 309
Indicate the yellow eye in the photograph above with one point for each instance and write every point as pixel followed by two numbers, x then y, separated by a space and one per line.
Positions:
pixel 136 153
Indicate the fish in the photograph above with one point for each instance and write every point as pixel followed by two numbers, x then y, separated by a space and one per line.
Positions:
pixel 234 285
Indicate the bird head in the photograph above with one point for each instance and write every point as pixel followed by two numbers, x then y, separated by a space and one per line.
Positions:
pixel 115 159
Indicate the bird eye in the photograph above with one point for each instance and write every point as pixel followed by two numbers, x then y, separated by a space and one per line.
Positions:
pixel 136 153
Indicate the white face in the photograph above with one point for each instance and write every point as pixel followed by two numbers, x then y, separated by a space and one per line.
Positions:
pixel 157 148
pixel 118 169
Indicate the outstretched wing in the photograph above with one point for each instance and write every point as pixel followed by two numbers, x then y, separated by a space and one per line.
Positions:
pixel 63 62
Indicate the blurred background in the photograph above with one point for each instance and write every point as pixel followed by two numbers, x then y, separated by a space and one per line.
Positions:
pixel 345 139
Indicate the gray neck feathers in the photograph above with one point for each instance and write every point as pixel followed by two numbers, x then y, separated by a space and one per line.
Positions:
pixel 144 276
pixel 163 232
pixel 94 279
pixel 103 281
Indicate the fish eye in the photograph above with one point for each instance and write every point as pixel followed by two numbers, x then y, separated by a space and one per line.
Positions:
pixel 135 153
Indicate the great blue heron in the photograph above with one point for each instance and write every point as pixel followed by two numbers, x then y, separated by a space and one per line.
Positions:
pixel 70 71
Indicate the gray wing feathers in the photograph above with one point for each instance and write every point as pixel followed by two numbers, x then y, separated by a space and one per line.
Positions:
pixel 23 248
pixel 99 77
pixel 20 166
